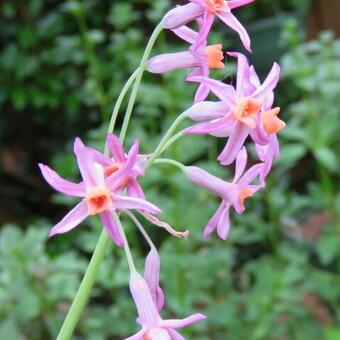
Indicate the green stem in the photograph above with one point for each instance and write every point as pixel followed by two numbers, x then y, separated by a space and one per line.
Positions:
pixel 126 244
pixel 162 144
pixel 169 161
pixel 171 140
pixel 84 290
pixel 86 285
pixel 141 229
pixel 120 100
pixel 138 80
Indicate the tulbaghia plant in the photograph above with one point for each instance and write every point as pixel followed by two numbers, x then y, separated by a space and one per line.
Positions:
pixel 109 186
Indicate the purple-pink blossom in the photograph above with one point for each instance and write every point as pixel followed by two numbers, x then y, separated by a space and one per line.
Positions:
pixel 233 193
pixel 208 10
pixel 101 189
pixel 199 57
pixel 243 111
pixel 153 326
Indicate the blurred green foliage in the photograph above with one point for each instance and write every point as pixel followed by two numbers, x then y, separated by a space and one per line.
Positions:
pixel 277 277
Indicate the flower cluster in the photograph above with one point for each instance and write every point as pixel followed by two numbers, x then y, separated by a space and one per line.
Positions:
pixel 110 187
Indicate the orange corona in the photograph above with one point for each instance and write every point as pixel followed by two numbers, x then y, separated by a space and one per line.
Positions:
pixel 215 5
pixel 215 56
pixel 246 110
pixel 98 199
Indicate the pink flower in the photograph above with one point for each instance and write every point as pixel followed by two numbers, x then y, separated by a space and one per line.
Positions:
pixel 208 9
pixel 232 194
pixel 153 326
pixel 241 112
pixel 151 276
pixel 199 56
pixel 101 194
pixel 116 163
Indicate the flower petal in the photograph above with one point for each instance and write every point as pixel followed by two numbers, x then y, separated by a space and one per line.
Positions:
pixel 231 21
pixel 99 158
pixel 235 142
pixel 151 276
pixel 137 336
pixel 210 127
pixel 134 189
pixel 238 3
pixel 175 335
pixel 250 175
pixel 207 110
pixel 115 147
pixel 127 203
pixel 86 164
pixel 181 15
pixel 223 225
pixel 147 311
pixel 71 220
pixel 212 223
pixel 171 61
pixel 111 228
pixel 269 84
pixel 180 323
pixel 223 91
pixel 243 87
pixel 121 176
pixel 205 180
pixel 60 184
pixel 187 34
pixel 241 163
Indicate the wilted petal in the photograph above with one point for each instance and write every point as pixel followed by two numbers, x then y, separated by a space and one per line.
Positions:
pixel 111 228
pixel 231 21
pixel 181 15
pixel 127 203
pixel 180 323
pixel 171 61
pixel 60 184
pixel 71 220
pixel 235 142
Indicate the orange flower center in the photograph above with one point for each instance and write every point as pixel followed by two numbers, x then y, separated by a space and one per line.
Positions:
pixel 98 199
pixel 111 169
pixel 215 56
pixel 244 194
pixel 271 122
pixel 246 110
pixel 215 5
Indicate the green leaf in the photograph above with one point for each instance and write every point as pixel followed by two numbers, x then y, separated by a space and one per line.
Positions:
pixel 327 158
